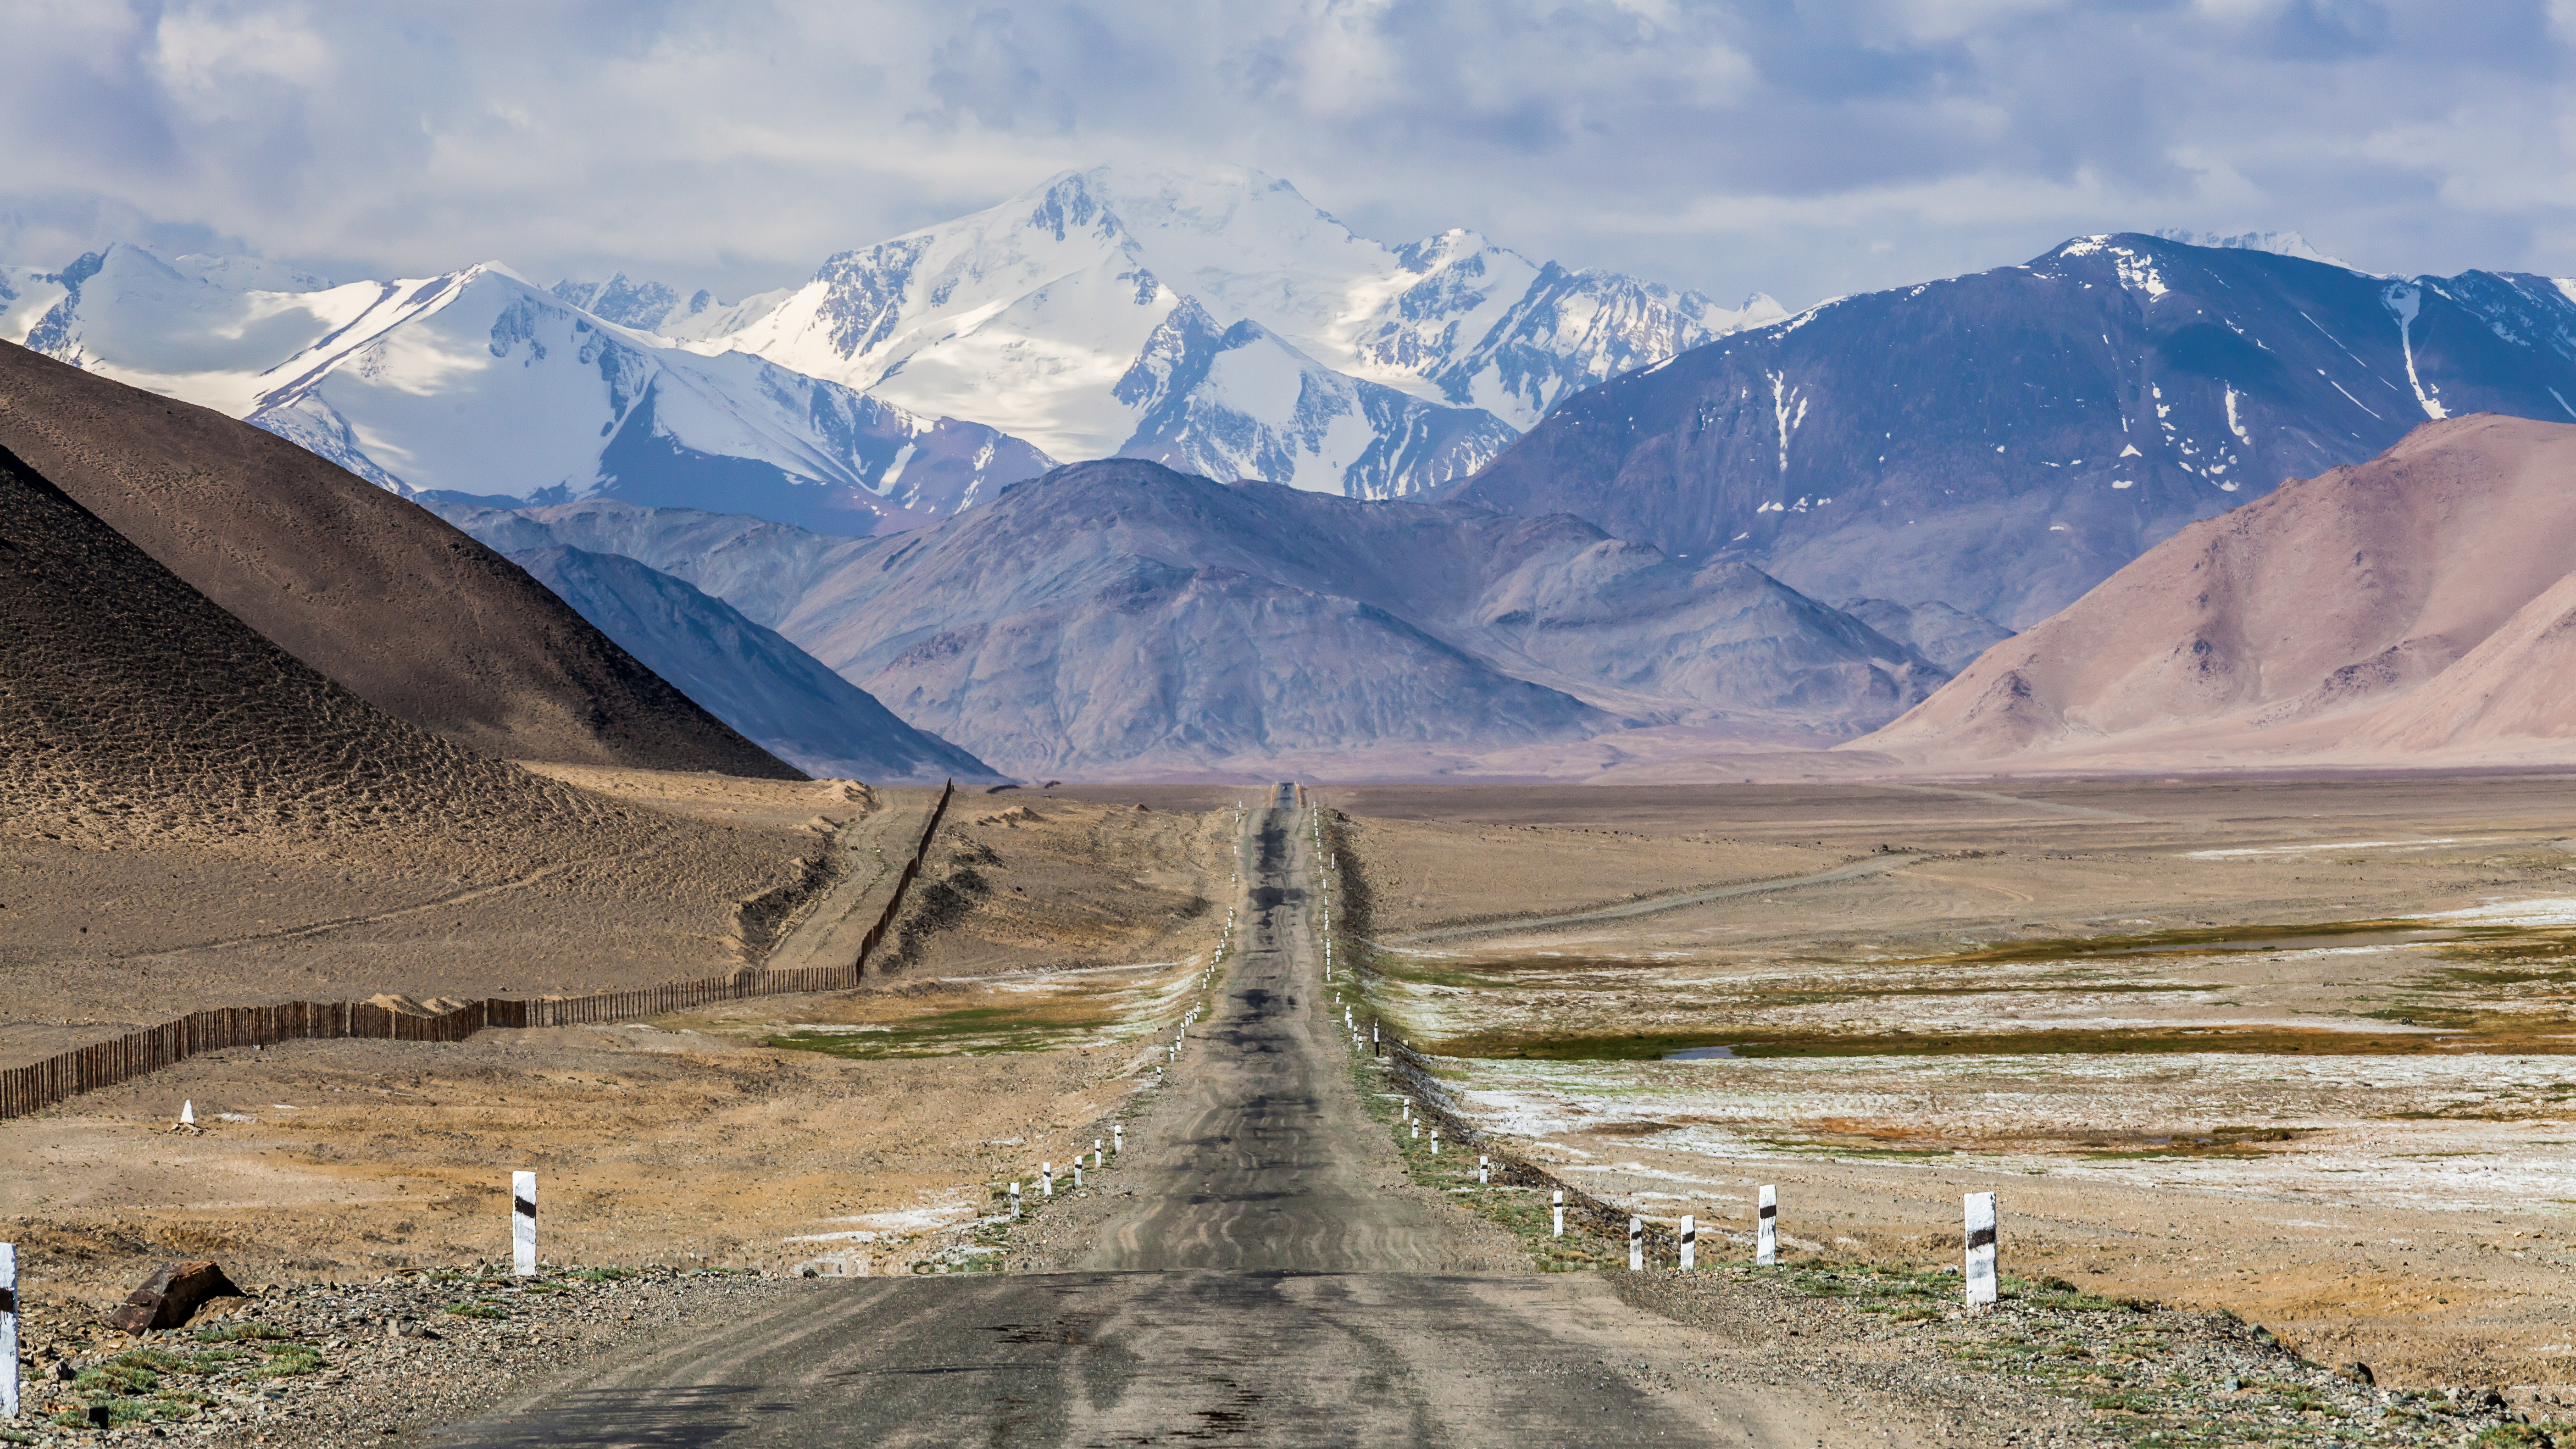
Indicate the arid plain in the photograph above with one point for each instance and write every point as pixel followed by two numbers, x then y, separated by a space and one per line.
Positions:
pixel 2298 1048
pixel 2295 1047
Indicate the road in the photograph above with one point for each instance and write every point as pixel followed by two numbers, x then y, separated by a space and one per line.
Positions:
pixel 1263 1288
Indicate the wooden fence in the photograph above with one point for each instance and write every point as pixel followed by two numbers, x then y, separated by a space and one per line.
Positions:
pixel 105 1064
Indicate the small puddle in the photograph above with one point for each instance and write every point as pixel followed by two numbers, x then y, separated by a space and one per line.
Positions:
pixel 1702 1054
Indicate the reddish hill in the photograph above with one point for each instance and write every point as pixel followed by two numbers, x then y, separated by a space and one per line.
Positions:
pixel 2412 606
pixel 373 591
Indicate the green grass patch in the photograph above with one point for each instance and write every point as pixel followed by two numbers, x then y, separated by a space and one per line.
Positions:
pixel 966 1031
pixel 291 1361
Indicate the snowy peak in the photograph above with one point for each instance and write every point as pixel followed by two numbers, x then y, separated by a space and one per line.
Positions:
pixel 1064 313
pixel 644 306
pixel 2280 243
pixel 570 406
pixel 559 402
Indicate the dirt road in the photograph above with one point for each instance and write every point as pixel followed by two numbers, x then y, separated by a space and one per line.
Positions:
pixel 1268 1280
pixel 1655 905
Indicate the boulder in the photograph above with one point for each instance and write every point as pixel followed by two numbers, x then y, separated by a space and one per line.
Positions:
pixel 168 1297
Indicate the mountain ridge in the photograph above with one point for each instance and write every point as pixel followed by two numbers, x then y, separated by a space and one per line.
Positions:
pixel 2417 606
pixel 1052 630
pixel 2005 440
pixel 384 598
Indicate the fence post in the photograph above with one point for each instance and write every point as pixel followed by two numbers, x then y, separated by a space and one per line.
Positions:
pixel 8 1330
pixel 523 1224
pixel 1766 1229
pixel 1981 1249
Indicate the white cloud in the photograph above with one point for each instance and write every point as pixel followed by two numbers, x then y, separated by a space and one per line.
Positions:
pixel 1728 146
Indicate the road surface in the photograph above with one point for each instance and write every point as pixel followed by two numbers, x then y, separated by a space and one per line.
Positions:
pixel 1262 1289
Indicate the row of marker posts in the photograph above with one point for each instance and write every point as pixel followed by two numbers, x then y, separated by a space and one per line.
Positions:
pixel 1100 1155
pixel 1980 1214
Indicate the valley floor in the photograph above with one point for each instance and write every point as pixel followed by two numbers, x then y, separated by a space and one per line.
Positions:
pixel 2222 1044
pixel 2298 1048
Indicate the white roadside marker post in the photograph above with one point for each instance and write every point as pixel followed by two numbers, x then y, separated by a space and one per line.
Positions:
pixel 1077 1172
pixel 1560 1213
pixel 1118 1139
pixel 8 1330
pixel 1690 1242
pixel 1482 1166
pixel 1981 1249
pixel 1096 1158
pixel 523 1224
pixel 1766 1227
pixel 1636 1244
pixel 1417 1131
pixel 1046 1178
pixel 1015 1202
pixel 1435 1142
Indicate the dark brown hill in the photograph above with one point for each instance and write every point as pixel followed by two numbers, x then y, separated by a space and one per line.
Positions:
pixel 134 711
pixel 373 591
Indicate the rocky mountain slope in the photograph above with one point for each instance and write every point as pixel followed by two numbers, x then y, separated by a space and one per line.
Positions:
pixel 1119 617
pixel 477 383
pixel 2002 442
pixel 751 678
pixel 376 593
pixel 2418 606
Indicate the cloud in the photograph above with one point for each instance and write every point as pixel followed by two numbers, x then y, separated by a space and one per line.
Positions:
pixel 1800 149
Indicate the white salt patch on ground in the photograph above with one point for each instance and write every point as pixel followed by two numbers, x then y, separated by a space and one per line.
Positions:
pixel 2358 1155
pixel 2304 847
pixel 2552 911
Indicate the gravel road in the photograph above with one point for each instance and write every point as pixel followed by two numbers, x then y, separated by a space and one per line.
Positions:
pixel 1264 1274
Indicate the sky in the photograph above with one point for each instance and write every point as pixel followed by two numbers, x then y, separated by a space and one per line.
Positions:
pixel 1800 149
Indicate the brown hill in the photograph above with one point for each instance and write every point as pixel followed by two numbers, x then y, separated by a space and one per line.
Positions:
pixel 133 710
pixel 2413 606
pixel 368 588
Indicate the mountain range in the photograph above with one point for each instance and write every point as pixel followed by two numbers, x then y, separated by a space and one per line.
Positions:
pixel 1218 322
pixel 2416 607
pixel 2004 441
pixel 1121 618
pixel 479 384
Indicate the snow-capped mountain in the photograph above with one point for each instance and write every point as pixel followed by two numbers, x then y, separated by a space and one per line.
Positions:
pixel 479 384
pixel 1217 322
pixel 2279 243
pixel 2004 441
